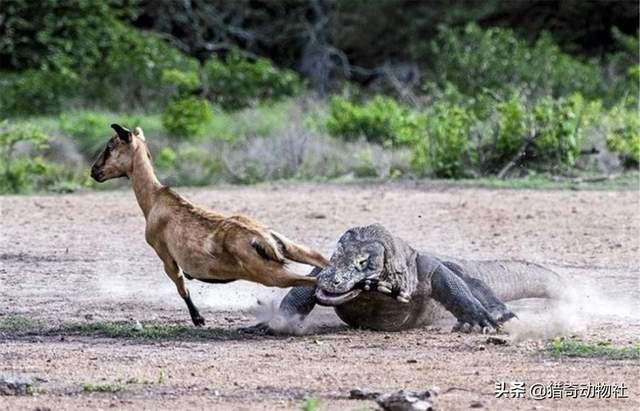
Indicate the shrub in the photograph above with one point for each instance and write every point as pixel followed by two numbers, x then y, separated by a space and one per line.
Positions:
pixel 446 149
pixel 123 74
pixel 558 124
pixel 624 69
pixel 623 134
pixel 381 120
pixel 549 132
pixel 475 59
pixel 24 173
pixel 187 117
pixel 89 130
pixel 189 165
pixel 128 75
pixel 512 128
pixel 236 82
pixel 185 82
pixel 35 34
pixel 35 91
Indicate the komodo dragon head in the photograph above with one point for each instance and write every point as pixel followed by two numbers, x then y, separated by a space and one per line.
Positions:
pixel 367 259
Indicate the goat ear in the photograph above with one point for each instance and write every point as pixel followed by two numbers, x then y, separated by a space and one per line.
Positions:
pixel 139 133
pixel 123 133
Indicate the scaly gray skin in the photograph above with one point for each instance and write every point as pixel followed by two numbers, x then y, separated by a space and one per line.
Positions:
pixel 377 281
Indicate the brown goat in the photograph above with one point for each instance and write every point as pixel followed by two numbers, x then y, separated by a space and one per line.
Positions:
pixel 196 243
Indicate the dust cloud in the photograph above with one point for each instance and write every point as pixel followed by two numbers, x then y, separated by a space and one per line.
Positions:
pixel 578 309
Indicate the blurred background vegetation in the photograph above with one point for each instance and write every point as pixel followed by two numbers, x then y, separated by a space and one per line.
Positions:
pixel 252 90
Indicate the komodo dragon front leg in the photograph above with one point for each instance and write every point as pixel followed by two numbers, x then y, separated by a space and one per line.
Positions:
pixel 300 301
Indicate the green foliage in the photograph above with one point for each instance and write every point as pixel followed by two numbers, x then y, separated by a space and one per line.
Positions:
pixel 189 165
pixel 25 170
pixel 187 117
pixel 184 81
pixel 84 53
pixel 623 134
pixel 574 347
pixel 35 91
pixel 381 120
pixel 558 124
pixel 43 33
pixel 475 59
pixel 446 149
pixel 624 67
pixel 236 82
pixel 166 160
pixel 130 73
pixel 543 134
pixel 365 164
pixel 513 128
pixel 89 129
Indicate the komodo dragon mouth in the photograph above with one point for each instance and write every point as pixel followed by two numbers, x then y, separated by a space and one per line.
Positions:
pixel 325 297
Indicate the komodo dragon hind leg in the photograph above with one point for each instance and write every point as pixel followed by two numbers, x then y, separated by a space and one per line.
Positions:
pixel 450 290
pixel 483 293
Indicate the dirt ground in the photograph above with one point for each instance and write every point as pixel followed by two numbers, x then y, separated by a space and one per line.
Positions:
pixel 82 258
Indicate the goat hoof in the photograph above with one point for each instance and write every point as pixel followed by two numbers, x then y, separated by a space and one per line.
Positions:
pixel 198 321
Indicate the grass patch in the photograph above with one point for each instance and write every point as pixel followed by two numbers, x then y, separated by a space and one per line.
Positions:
pixel 311 404
pixel 107 387
pixel 122 329
pixel 16 324
pixel 575 347
pixel 629 181
pixel 21 326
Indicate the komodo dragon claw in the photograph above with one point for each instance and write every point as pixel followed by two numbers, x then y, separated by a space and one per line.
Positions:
pixel 374 284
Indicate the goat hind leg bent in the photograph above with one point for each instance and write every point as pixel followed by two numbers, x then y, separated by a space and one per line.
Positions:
pixel 298 252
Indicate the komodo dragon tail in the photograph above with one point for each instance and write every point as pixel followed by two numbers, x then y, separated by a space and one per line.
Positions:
pixel 512 280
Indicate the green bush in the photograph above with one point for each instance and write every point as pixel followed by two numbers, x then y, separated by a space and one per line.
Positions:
pixel 446 149
pixel 188 165
pixel 29 171
pixel 512 128
pixel 187 117
pixel 35 91
pixel 185 82
pixel 381 120
pixel 549 132
pixel 127 78
pixel 474 59
pixel 130 73
pixel 623 134
pixel 42 33
pixel 236 82
pixel 624 68
pixel 558 124
pixel 89 130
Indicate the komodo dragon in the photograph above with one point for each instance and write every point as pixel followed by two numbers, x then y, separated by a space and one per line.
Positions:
pixel 377 281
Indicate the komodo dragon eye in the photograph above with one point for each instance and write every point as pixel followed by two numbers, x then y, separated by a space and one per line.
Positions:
pixel 362 263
